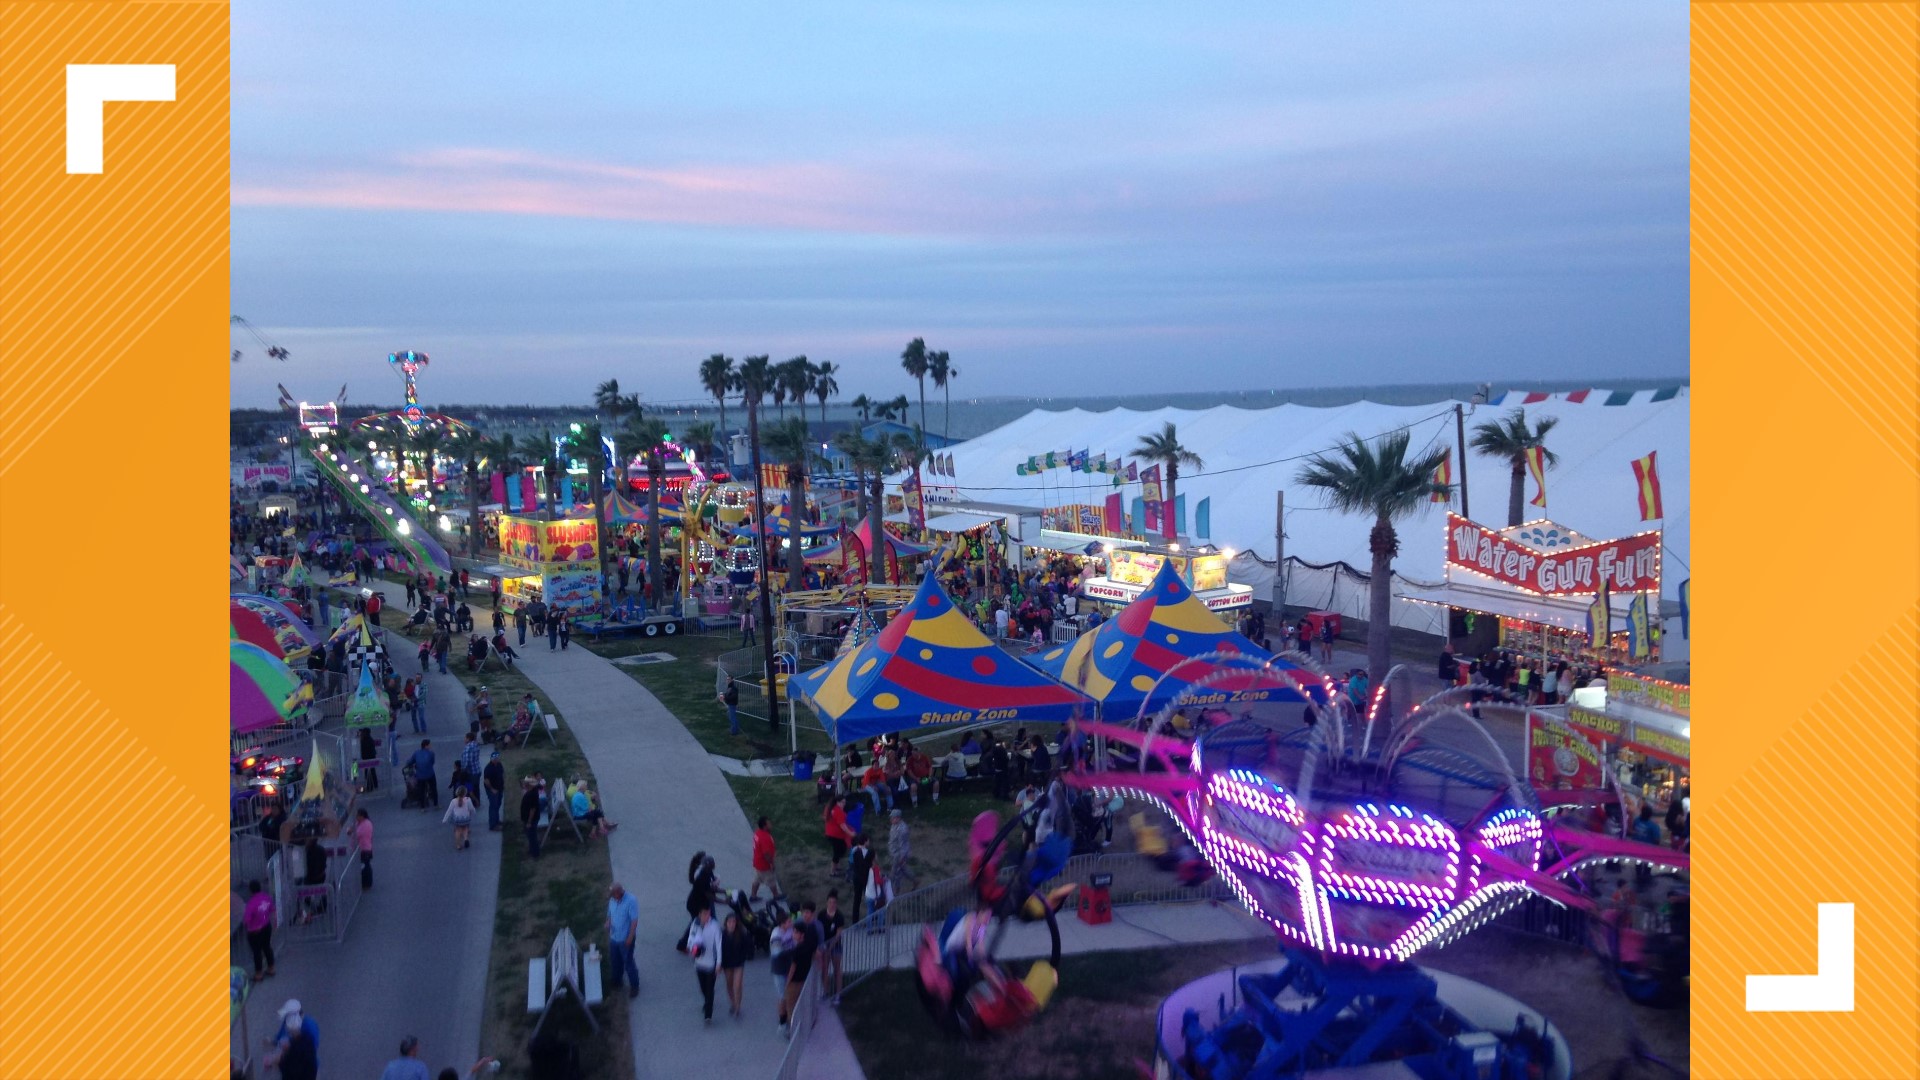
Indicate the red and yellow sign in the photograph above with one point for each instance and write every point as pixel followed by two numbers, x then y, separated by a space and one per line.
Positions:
pixel 1630 564
pixel 531 542
pixel 1561 759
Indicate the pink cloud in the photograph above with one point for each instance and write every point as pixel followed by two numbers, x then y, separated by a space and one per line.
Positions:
pixel 492 181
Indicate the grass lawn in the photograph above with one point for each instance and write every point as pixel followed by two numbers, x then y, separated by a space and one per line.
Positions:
pixel 686 687
pixel 1098 1026
pixel 567 887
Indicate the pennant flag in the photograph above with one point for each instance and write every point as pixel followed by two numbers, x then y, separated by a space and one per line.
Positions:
pixel 1537 465
pixel 1133 472
pixel 1137 523
pixel 1020 469
pixel 1444 477
pixel 1668 394
pixel 1534 398
pixel 1115 522
pixel 1203 519
pixel 1080 460
pixel 1496 401
pixel 1639 641
pixel 1646 478
pixel 946 465
pixel 1686 608
pixel 916 503
pixel 1150 488
pixel 1600 619
pixel 1053 460
pixel 1619 397
pixel 1578 397
pixel 1172 513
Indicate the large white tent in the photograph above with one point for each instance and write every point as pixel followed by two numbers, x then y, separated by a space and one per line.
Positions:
pixel 1249 454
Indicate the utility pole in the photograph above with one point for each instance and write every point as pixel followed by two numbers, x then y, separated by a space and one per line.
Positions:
pixel 1280 555
pixel 1460 433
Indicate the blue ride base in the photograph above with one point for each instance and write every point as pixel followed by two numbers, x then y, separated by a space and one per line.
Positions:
pixel 1345 1018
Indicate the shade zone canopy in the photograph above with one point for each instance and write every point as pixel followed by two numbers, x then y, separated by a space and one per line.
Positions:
pixel 1149 651
pixel 931 667
pixel 262 691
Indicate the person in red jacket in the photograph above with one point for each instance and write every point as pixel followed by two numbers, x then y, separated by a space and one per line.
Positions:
pixel 838 832
pixel 763 852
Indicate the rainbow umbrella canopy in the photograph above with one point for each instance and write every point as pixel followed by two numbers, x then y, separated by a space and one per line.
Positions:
pixel 930 667
pixel 1146 655
pixel 262 690
pixel 289 633
pixel 244 624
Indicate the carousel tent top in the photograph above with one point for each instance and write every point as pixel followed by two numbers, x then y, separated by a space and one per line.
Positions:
pixel 930 667
pixel 1141 656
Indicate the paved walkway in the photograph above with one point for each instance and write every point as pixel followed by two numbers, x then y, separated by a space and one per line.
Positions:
pixel 414 961
pixel 671 801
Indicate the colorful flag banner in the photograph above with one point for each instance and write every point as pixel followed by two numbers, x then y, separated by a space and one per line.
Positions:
pixel 529 493
pixel 1600 618
pixel 1444 477
pixel 1115 522
pixel 915 499
pixel 1639 641
pixel 1578 396
pixel 1537 465
pixel 1534 398
pixel 507 491
pixel 1172 513
pixel 1686 608
pixel 1133 471
pixel 1646 477
pixel 1203 519
pixel 566 494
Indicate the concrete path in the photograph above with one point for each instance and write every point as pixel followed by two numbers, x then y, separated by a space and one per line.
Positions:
pixel 414 961
pixel 671 801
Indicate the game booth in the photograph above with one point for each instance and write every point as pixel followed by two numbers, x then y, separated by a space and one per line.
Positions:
pixel 556 561
pixel 1130 571
pixel 1532 589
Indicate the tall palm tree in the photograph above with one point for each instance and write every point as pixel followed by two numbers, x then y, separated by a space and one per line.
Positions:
pixel 716 378
pixel 608 403
pixel 914 360
pixel 848 443
pixel 791 444
pixel 864 406
pixel 752 382
pixel 583 442
pixel 700 435
pixel 649 433
pixel 792 381
pixel 1509 437
pixel 873 457
pixel 471 447
pixel 825 385
pixel 942 372
pixel 1362 478
pixel 1165 448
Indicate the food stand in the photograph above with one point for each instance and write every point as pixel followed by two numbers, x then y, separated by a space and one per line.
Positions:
pixel 1642 722
pixel 555 561
pixel 1529 588
pixel 1131 570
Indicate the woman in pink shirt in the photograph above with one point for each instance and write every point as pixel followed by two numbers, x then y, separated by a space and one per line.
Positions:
pixel 258 921
pixel 363 843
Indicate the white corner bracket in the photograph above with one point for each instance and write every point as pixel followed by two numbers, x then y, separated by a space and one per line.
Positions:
pixel 1830 989
pixel 89 88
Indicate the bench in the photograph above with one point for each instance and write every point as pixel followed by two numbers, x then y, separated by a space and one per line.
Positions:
pixel 563 972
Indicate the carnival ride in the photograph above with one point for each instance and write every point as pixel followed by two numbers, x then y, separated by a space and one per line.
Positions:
pixel 365 493
pixel 1361 838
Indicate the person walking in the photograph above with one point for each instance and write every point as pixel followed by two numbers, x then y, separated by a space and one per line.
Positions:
pixel 423 772
pixel 533 806
pixel 832 920
pixel 460 810
pixel 837 831
pixel 520 624
pixel 736 948
pixel 806 943
pixel 408 1065
pixel 442 644
pixel 363 844
pixel 470 756
pixel 566 631
pixel 295 1048
pixel 493 779
pixel 730 697
pixel 763 855
pixel 553 630
pixel 780 948
pixel 257 919
pixel 623 920
pixel 859 865
pixel 746 625
pixel 703 946
pixel 899 847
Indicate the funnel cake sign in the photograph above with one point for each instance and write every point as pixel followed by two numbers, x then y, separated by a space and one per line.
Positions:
pixel 1630 564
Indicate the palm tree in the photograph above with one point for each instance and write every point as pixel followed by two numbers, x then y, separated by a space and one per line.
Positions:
pixel 792 381
pixel 864 406
pixel 1165 449
pixel 649 433
pixel 914 359
pixel 791 444
pixel 471 448
pixel 583 442
pixel 942 372
pixel 848 443
pixel 608 402
pixel 1510 438
pixel 825 385
pixel 1360 478
pixel 716 378
pixel 753 381
pixel 700 435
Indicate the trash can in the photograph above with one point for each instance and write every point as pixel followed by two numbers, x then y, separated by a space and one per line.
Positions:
pixel 803 765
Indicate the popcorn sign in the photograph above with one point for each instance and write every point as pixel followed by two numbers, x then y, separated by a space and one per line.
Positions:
pixel 1630 564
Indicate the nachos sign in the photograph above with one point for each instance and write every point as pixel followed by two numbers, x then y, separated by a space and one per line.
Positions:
pixel 1630 564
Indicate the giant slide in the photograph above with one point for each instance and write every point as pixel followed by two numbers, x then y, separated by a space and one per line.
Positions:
pixel 350 475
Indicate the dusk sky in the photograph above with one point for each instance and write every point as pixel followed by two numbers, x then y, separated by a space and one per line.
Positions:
pixel 1070 199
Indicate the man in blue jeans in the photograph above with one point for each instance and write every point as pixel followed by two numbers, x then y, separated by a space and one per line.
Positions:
pixel 731 698
pixel 623 918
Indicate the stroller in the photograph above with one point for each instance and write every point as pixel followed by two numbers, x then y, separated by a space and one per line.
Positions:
pixel 759 921
pixel 416 795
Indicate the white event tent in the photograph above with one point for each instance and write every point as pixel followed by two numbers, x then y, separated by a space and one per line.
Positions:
pixel 1249 454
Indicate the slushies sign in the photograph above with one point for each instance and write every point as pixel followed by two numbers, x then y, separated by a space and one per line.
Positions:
pixel 1630 564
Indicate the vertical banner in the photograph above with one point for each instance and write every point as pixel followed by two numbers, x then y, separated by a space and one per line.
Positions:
pixel 114 184
pixel 1639 640
pixel 1203 519
pixel 529 494
pixel 1115 521
pixel 497 488
pixel 1537 468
